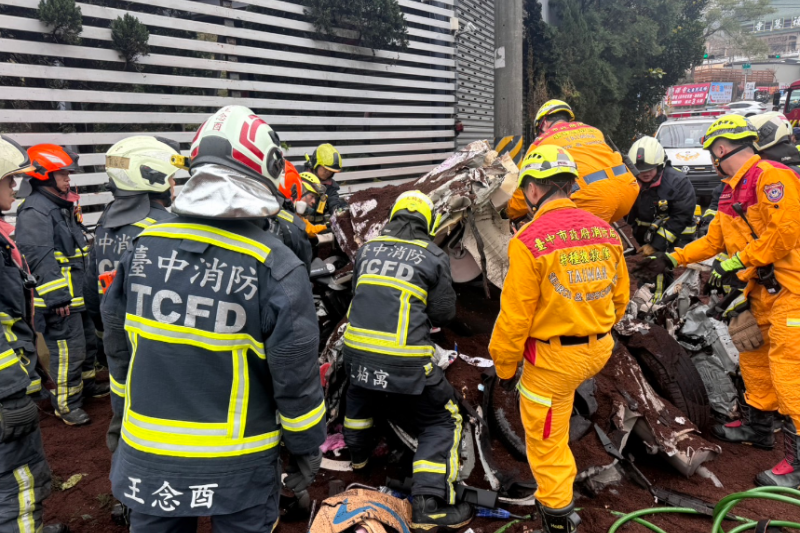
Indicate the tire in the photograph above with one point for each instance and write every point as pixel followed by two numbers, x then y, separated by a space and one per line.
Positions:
pixel 674 376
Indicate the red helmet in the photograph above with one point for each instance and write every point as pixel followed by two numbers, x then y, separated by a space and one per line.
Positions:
pixel 47 158
pixel 292 186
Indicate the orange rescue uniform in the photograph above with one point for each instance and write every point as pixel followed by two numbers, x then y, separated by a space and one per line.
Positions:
pixel 312 230
pixel 770 196
pixel 567 285
pixel 606 188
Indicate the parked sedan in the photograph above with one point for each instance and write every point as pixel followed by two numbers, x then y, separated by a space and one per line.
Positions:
pixel 747 108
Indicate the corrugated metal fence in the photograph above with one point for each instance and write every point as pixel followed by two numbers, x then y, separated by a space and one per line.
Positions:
pixel 390 114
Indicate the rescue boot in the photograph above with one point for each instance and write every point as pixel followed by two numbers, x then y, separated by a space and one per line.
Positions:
pixel 753 429
pixel 93 389
pixel 56 528
pixel 429 512
pixel 564 520
pixel 76 417
pixel 787 472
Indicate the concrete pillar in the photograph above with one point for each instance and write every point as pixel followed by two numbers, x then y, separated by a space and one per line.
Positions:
pixel 508 15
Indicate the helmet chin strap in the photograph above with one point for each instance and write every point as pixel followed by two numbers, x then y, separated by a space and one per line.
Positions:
pixel 550 192
pixel 718 160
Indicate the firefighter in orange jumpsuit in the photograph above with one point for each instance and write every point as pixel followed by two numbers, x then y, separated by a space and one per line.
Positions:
pixel 605 187
pixel 567 285
pixel 767 193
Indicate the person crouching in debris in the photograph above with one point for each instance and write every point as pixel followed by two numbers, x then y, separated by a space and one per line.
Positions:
pixel 313 191
pixel 287 225
pixel 325 163
pixel 567 285
pixel 758 226
pixel 663 215
pixel 211 333
pixel 403 283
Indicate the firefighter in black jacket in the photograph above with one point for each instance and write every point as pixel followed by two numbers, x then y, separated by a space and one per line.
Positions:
pixel 24 473
pixel 141 179
pixel 212 335
pixel 287 225
pixel 325 163
pixel 402 284
pixel 663 215
pixel 53 243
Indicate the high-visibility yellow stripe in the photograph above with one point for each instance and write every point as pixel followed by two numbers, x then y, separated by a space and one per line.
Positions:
pixel 454 451
pixel 89 374
pixel 172 334
pixel 541 400
pixel 116 387
pixel 709 213
pixel 196 446
pixel 285 216
pixel 394 283
pixel 7 359
pixel 373 334
pixel 34 387
pixel 429 466
pixel 209 235
pixel 177 427
pixel 26 499
pixel 304 422
pixel 689 230
pixel 8 326
pixel 47 288
pixel 387 348
pixel 62 384
pixel 668 235
pixel 793 322
pixel 357 423
pixel 145 222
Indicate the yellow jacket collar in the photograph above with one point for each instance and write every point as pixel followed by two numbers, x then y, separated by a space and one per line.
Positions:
pixel 734 180
pixel 552 205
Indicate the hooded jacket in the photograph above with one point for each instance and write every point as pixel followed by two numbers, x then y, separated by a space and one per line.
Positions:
pixel 402 284
pixel 54 247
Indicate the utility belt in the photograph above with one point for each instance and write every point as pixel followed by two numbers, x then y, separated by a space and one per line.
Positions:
pixel 565 340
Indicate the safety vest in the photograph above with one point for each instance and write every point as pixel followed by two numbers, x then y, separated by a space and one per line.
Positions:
pixel 387 341
pixel 212 386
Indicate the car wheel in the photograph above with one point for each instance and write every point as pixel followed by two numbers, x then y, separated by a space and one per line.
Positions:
pixel 749 115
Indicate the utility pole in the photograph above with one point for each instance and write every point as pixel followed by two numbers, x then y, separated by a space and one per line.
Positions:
pixel 508 35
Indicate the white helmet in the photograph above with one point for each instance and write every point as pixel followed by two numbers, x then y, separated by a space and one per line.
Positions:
pixel 13 158
pixel 237 138
pixel 647 154
pixel 773 128
pixel 141 164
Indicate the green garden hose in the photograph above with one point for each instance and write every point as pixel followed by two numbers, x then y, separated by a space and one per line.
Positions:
pixel 721 511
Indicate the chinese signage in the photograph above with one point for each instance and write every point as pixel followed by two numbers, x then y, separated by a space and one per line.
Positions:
pixel 689 95
pixel 720 93
pixel 749 90
pixel 777 24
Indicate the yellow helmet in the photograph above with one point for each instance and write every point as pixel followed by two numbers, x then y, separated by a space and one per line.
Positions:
pixel 550 107
pixel 545 162
pixel 141 164
pixel 326 156
pixel 731 127
pixel 311 184
pixel 416 202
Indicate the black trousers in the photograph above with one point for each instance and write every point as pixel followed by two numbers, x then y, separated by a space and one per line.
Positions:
pixel 437 419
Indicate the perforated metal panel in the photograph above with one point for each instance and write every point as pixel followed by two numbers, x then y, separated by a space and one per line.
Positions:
pixel 475 70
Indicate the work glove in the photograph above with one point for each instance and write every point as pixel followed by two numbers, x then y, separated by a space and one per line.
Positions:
pixel 647 249
pixel 745 333
pixel 301 471
pixel 19 416
pixel 724 273
pixel 653 265
pixel 730 306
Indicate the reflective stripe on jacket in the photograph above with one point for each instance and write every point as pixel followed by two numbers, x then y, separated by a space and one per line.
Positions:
pixel 769 194
pixel 567 277
pixel 55 248
pixel 676 189
pixel 400 287
pixel 212 336
pixel 587 145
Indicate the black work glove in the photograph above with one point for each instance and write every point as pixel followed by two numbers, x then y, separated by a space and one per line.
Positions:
pixel 302 470
pixel 724 274
pixel 507 385
pixel 653 265
pixel 19 416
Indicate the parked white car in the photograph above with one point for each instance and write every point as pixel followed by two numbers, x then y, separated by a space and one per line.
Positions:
pixel 746 108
